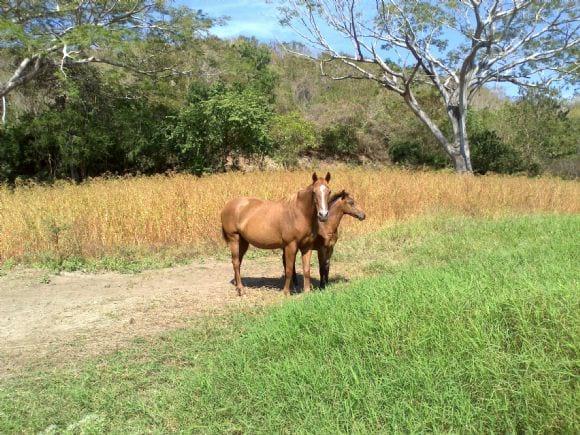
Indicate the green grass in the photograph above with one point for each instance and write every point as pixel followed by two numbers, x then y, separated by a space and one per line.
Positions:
pixel 122 262
pixel 129 260
pixel 468 326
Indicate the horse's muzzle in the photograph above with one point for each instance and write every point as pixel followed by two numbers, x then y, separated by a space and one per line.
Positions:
pixel 322 216
pixel 361 217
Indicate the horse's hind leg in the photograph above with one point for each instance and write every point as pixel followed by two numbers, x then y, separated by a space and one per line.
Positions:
pixel 243 248
pixel 294 274
pixel 289 261
pixel 324 255
pixel 306 254
pixel 238 249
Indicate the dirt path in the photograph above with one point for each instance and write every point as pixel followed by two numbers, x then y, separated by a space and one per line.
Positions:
pixel 53 319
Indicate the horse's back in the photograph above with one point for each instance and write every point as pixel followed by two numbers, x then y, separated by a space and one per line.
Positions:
pixel 233 209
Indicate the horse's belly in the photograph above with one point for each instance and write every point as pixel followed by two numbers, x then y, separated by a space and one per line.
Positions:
pixel 261 230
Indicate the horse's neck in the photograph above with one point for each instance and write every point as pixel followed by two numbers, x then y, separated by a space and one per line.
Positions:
pixel 305 202
pixel 335 215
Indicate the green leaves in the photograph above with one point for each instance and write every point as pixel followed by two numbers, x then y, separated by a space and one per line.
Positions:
pixel 220 123
pixel 292 135
pixel 136 35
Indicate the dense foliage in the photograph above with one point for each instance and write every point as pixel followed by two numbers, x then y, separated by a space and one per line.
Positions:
pixel 245 100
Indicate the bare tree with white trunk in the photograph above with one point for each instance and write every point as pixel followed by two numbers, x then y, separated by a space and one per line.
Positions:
pixel 455 46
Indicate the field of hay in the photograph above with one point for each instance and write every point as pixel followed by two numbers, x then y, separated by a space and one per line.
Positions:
pixel 180 213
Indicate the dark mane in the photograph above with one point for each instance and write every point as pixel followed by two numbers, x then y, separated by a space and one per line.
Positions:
pixel 336 196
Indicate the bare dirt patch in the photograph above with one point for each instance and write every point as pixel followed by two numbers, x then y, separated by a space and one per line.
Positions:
pixel 50 320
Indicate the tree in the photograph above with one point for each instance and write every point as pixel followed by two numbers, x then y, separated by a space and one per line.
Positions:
pixel 220 123
pixel 454 46
pixel 40 35
pixel 90 127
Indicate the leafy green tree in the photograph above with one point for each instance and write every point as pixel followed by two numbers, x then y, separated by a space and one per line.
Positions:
pixel 292 136
pixel 90 128
pixel 220 123
pixel 51 35
pixel 541 127
pixel 537 127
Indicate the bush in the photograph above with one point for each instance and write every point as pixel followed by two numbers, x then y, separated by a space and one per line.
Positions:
pixel 227 123
pixel 415 154
pixel 85 131
pixel 490 154
pixel 340 141
pixel 291 136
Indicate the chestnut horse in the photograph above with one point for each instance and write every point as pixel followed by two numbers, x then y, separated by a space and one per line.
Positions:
pixel 290 224
pixel 339 204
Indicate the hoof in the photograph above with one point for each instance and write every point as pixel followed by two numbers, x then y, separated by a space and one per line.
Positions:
pixel 240 291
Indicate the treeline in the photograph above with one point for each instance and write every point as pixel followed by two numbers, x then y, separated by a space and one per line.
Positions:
pixel 246 100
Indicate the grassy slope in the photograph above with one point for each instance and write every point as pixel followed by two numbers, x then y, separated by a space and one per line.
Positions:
pixel 461 330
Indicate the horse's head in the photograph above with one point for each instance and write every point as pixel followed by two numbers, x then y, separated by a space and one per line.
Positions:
pixel 321 192
pixel 349 206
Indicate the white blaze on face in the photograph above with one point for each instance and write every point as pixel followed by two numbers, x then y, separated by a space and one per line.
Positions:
pixel 323 201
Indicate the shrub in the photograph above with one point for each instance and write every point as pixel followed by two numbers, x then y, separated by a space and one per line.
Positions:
pixel 413 153
pixel 86 131
pixel 291 136
pixel 340 140
pixel 228 123
pixel 490 154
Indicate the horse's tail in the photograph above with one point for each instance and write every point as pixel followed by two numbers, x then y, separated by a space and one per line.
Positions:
pixel 224 235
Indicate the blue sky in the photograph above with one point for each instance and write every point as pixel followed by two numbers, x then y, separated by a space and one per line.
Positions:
pixel 247 17
pixel 252 18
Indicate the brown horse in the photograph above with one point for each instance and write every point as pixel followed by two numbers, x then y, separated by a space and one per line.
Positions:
pixel 290 224
pixel 340 204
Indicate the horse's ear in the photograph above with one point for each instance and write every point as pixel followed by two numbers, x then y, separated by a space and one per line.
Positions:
pixel 314 177
pixel 343 194
pixel 327 178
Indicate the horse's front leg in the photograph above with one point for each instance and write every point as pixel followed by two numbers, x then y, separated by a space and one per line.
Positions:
pixel 306 254
pixel 289 260
pixel 322 266
pixel 328 256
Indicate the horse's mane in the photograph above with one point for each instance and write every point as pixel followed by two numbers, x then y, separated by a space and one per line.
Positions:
pixel 290 198
pixel 336 196
pixel 293 197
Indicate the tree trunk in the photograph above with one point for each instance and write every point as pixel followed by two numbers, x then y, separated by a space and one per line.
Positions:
pixel 4 109
pixel 460 152
pixel 460 163
pixel 463 161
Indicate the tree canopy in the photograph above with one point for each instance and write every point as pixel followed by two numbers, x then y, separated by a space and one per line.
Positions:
pixel 138 35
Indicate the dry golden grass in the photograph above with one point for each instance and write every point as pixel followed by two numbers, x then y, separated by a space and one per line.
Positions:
pixel 181 212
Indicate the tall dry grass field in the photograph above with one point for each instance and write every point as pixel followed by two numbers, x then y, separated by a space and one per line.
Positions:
pixel 181 212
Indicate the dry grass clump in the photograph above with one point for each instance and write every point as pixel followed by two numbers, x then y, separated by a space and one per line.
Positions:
pixel 181 212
